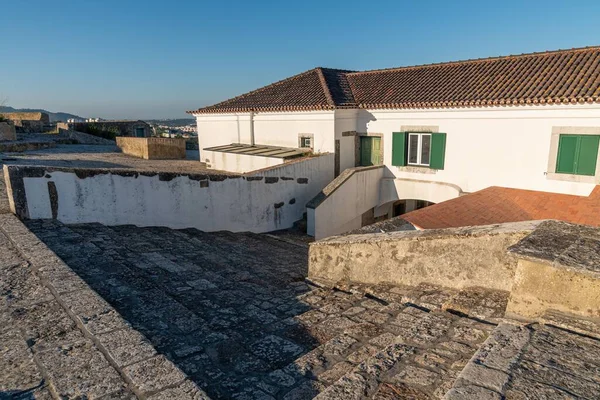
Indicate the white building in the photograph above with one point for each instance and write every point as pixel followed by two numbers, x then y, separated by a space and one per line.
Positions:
pixel 437 131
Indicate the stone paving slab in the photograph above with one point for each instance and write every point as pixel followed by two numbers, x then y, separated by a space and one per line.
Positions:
pixel 59 339
pixel 232 314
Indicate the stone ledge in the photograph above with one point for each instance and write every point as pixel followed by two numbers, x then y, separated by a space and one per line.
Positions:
pixel 455 258
pixel 336 183
pixel 545 265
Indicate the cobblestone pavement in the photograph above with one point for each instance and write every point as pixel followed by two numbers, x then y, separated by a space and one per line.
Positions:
pixel 234 313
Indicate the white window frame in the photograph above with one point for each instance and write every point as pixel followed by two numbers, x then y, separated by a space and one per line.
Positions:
pixel 419 149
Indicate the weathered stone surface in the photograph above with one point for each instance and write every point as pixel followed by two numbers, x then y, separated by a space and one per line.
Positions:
pixel 79 368
pixel 389 257
pixel 231 312
pixel 472 392
pixel 187 390
pixel 44 343
pixel 126 346
pixel 154 374
pixel 18 369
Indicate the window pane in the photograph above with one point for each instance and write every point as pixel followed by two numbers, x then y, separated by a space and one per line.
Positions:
pixel 588 154
pixel 567 149
pixel 425 149
pixel 413 148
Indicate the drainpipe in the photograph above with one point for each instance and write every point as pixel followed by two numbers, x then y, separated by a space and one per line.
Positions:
pixel 252 128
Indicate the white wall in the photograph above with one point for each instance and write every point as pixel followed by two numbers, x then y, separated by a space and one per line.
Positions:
pixel 493 146
pixel 282 129
pixel 240 163
pixel 273 129
pixel 355 193
pixel 221 129
pixel 346 121
pixel 263 202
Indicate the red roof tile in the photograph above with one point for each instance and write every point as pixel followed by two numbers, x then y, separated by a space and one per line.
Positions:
pixel 554 77
pixel 316 89
pixel 496 205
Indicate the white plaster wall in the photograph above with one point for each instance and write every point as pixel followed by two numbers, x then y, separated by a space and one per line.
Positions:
pixel 282 129
pixel 347 159
pixel 342 210
pixel 273 129
pixel 239 163
pixel 221 129
pixel 346 121
pixel 235 204
pixel 493 146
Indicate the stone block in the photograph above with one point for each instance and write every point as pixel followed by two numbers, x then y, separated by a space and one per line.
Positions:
pixel 7 131
pixel 80 369
pixel 126 346
pixel 153 148
pixel 540 286
pixel 454 258
pixel 154 374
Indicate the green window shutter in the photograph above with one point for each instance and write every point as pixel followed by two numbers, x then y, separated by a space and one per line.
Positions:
pixel 587 155
pixel 399 148
pixel 438 150
pixel 567 154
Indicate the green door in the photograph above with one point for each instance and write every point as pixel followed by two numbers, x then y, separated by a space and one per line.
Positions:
pixel 370 151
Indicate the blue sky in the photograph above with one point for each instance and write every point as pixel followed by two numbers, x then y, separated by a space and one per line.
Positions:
pixel 156 59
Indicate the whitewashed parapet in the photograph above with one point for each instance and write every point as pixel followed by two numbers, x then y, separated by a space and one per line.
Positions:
pixel 338 208
pixel 209 202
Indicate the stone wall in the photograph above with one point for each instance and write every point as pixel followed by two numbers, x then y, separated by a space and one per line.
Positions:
pixel 7 131
pixel 29 122
pixel 110 129
pixel 558 269
pixel 153 148
pixel 455 258
pixel 84 138
pixel 27 116
pixel 548 267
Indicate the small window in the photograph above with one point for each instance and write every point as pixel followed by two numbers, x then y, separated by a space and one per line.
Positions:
pixel 306 142
pixel 577 154
pixel 419 149
pixel 140 132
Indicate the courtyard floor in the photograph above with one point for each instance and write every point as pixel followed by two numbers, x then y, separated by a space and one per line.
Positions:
pixel 234 313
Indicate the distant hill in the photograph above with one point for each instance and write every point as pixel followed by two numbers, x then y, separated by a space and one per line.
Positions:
pixel 54 117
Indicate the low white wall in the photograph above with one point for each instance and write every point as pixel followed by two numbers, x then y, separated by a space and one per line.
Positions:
pixel 239 163
pixel 262 202
pixel 343 202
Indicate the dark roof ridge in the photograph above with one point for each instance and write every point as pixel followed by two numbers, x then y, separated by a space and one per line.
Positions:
pixel 475 60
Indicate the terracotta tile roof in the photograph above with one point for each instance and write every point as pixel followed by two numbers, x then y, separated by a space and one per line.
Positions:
pixel 316 89
pixel 498 204
pixel 563 76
